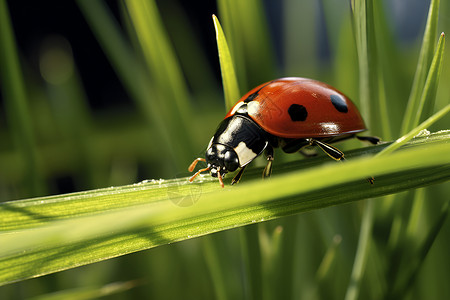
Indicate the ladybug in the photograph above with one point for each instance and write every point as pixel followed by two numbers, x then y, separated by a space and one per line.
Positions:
pixel 289 113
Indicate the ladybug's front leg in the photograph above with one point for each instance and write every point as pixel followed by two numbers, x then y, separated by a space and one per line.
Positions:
pixel 238 176
pixel 268 169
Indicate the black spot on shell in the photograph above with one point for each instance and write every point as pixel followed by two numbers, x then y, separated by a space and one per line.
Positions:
pixel 297 112
pixel 339 103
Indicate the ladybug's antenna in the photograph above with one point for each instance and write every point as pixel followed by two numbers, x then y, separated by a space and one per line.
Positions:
pixel 194 163
pixel 198 172
pixel 192 167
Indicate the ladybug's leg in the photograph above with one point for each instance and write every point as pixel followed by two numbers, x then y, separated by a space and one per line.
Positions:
pixel 334 153
pixel 371 139
pixel 331 151
pixel 268 169
pixel 238 176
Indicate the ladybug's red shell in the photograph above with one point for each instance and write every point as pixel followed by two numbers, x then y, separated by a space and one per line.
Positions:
pixel 301 108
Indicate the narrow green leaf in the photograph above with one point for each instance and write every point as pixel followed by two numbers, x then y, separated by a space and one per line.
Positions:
pixel 229 80
pixel 423 65
pixel 212 259
pixel 86 293
pixel 415 257
pixel 427 99
pixel 407 137
pixel 228 13
pixel 17 107
pixel 366 45
pixel 135 76
pixel 249 41
pixel 362 252
pixel 171 93
pixel 328 259
pixel 61 232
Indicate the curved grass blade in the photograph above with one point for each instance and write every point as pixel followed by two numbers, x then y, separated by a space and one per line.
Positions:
pixel 171 93
pixel 135 77
pixel 407 269
pixel 427 99
pixel 423 65
pixel 229 80
pixel 407 137
pixel 45 235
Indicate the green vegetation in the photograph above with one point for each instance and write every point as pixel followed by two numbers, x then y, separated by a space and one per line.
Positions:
pixel 315 230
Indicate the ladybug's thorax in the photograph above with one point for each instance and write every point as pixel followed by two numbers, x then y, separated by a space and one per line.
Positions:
pixel 237 141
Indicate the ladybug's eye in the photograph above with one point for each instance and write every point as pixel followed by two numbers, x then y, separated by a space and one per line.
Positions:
pixel 231 161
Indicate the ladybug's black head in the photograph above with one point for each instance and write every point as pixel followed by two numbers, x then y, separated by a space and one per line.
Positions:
pixel 221 160
pixel 237 141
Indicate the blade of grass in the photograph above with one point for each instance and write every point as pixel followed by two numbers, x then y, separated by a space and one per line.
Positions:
pixel 131 72
pixel 423 65
pixel 385 53
pixel 245 25
pixel 427 99
pixel 228 13
pixel 229 80
pixel 213 261
pixel 171 94
pixel 362 252
pixel 407 137
pixel 17 107
pixel 251 256
pixel 328 259
pixel 271 260
pixel 371 89
pixel 70 107
pixel 44 235
pixel 90 292
pixel 258 48
pixel 410 263
pixel 363 26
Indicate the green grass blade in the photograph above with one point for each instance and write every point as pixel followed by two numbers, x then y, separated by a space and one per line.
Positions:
pixel 415 257
pixel 212 259
pixel 249 41
pixel 87 293
pixel 229 80
pixel 134 76
pixel 251 256
pixel 171 94
pixel 60 232
pixel 70 107
pixel 423 65
pixel 427 99
pixel 362 252
pixel 387 69
pixel 17 107
pixel 371 85
pixel 407 137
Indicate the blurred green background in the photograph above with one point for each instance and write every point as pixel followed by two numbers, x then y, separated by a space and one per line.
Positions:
pixel 106 94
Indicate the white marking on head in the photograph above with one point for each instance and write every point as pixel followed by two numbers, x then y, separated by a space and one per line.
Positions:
pixel 245 154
